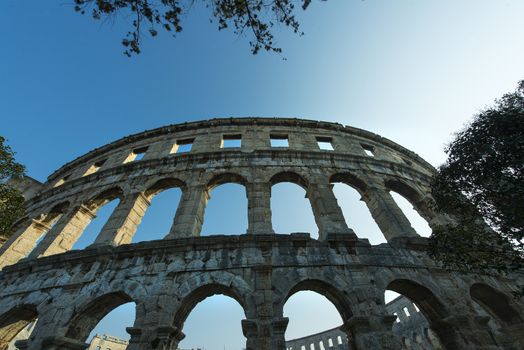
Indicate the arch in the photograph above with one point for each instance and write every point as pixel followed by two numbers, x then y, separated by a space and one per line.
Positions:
pixel 430 305
pixel 13 321
pixel 189 302
pixel 224 178
pixel 415 209
pixel 104 197
pixel 289 200
pixel 162 185
pixel 350 192
pixel 91 313
pixel 289 176
pixel 334 295
pixel 350 180
pixel 56 211
pixel 154 216
pixel 232 196
pixel 495 303
pixel 21 222
pixel 404 190
pixel 413 196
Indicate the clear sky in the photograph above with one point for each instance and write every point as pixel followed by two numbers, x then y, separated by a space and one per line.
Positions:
pixel 412 71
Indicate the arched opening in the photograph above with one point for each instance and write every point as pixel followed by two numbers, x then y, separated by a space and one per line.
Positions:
pixel 226 210
pixel 418 223
pixel 210 318
pixel 316 312
pixel 109 314
pixel 16 324
pixel 348 189
pixel 419 314
pixel 495 303
pixel 291 210
pixel 27 233
pixel 89 234
pixel 92 216
pixel 408 200
pixel 164 197
pixel 49 221
pixel 110 332
pixel 215 323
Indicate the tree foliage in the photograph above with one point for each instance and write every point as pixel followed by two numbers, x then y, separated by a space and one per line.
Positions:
pixel 482 186
pixel 255 16
pixel 11 200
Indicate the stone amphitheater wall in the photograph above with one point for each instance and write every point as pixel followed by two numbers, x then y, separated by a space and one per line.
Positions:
pixel 69 291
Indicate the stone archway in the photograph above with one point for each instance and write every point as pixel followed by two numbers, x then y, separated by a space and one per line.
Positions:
pixel 14 321
pixel 431 307
pixel 90 314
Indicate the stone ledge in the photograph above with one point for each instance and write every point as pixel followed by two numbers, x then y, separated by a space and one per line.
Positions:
pixel 347 243
pixel 411 243
pixel 241 122
pixel 205 156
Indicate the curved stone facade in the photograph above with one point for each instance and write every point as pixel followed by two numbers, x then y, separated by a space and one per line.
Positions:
pixel 410 326
pixel 69 291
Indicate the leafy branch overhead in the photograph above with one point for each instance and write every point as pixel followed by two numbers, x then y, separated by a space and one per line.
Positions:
pixel 482 183
pixel 254 16
pixel 11 200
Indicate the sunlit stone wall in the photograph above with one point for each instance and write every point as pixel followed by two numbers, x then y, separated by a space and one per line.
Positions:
pixel 70 291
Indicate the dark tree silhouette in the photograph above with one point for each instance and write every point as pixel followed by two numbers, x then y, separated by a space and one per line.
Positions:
pixel 255 16
pixel 11 200
pixel 484 175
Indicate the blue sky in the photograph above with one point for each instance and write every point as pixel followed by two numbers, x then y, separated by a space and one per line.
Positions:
pixel 412 71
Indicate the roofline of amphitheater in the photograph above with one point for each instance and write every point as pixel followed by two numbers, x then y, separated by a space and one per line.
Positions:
pixel 163 130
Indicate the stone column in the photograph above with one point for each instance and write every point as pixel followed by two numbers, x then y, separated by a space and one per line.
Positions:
pixel 259 208
pixel 372 332
pixel 189 216
pixel 464 331
pixel 328 215
pixel 264 327
pixel 265 333
pixel 302 141
pixel 22 242
pixel 154 338
pixel 254 139
pixel 65 232
pixel 123 222
pixel 388 216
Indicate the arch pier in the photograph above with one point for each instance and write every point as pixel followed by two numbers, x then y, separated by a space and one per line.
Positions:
pixel 69 291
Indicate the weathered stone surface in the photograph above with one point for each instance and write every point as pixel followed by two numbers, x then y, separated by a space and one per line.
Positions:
pixel 70 291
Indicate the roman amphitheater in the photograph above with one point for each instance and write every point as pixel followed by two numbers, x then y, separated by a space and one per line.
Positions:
pixel 69 291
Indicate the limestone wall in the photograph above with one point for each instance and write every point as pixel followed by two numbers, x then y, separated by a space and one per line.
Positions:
pixel 70 291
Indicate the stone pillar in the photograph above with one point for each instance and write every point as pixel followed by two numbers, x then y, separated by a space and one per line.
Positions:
pixel 22 242
pixel 123 222
pixel 328 215
pixel 259 208
pixel 254 139
pixel 386 213
pixel 464 331
pixel 264 327
pixel 189 216
pixel 65 232
pixel 372 332
pixel 61 343
pixel 265 334
pixel 302 141
pixel 158 149
pixel 154 338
